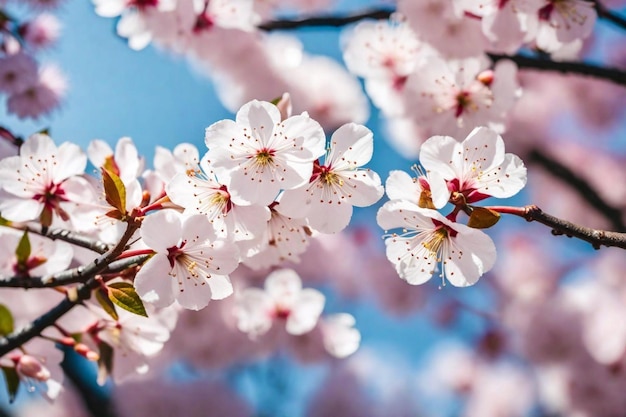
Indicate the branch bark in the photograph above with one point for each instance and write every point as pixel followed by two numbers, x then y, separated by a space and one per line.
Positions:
pixel 64 235
pixel 597 238
pixel 71 276
pixel 614 75
pixel 326 20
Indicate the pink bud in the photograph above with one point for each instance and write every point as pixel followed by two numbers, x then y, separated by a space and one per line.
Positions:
pixel 31 367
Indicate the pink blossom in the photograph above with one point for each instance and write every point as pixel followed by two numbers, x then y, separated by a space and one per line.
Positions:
pixel 41 97
pixel 18 72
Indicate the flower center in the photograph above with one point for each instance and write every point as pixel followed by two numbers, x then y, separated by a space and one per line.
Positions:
pixel 264 157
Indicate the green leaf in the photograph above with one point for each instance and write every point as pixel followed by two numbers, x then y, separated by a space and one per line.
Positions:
pixel 114 190
pixel 105 362
pixel 124 295
pixel 4 222
pixel 276 100
pixel 483 218
pixel 6 321
pixel 22 252
pixel 12 380
pixel 103 298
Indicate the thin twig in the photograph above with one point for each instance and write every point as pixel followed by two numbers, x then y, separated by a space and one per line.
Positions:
pixel 71 276
pixel 614 75
pixel 559 227
pixel 582 187
pixel 327 20
pixel 63 234
pixel 82 292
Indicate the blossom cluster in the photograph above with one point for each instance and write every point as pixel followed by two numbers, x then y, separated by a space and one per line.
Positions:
pixel 461 173
pixel 266 186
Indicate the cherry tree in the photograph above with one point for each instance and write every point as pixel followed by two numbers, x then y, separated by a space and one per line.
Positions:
pixel 230 263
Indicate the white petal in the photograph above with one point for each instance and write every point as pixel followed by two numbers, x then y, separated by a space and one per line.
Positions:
pixel 506 180
pixel 71 160
pixel 330 218
pixel 193 294
pixel 483 148
pixel 252 310
pixel 19 210
pixel 98 150
pixel 283 285
pixel 341 339
pixel 438 154
pixel 162 230
pixel 352 146
pixel 220 287
pixel 401 186
pixel 470 254
pixel 153 283
pixel 306 312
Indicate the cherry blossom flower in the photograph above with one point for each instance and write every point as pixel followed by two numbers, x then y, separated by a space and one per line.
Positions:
pixel 385 54
pixel 401 186
pixel 44 181
pixel 134 338
pixel 339 183
pixel 125 162
pixel 564 21
pixel 284 239
pixel 41 97
pixel 477 167
pixel 191 264
pixel 202 193
pixel 429 239
pixel 46 256
pixel 507 24
pixel 42 31
pixel 17 73
pixel 283 298
pixel 452 97
pixel 184 158
pixel 262 154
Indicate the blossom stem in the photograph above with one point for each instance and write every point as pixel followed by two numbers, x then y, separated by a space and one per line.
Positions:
pixel 614 75
pixel 596 237
pixel 88 273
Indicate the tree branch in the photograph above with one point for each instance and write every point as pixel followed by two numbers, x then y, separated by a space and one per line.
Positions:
pixel 566 67
pixel 609 15
pixel 71 276
pixel 82 292
pixel 327 20
pixel 596 237
pixel 588 193
pixel 64 235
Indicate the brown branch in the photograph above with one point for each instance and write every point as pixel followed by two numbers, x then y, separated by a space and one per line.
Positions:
pixel 71 276
pixel 614 75
pixel 327 20
pixel 64 235
pixel 81 293
pixel 582 187
pixel 609 15
pixel 596 237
